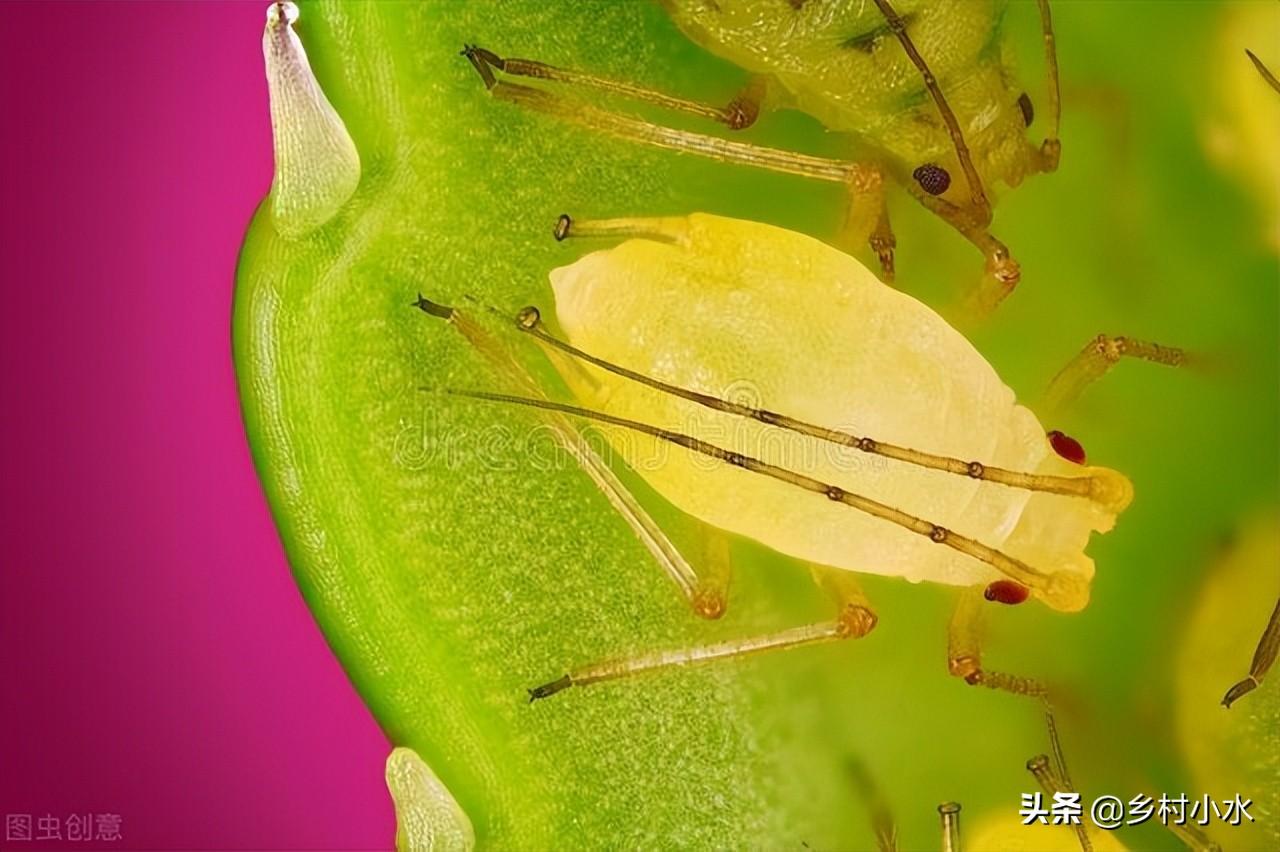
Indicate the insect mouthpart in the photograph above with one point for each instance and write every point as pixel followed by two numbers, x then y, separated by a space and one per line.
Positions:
pixel 933 179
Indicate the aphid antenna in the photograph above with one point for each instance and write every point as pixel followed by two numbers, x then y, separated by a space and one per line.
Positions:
pixel 1102 487
pixel 646 529
pixel 1055 744
pixel 1263 70
pixel 981 207
pixel 1052 783
pixel 1054 586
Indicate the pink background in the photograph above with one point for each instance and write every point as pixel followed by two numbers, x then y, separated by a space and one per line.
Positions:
pixel 156 660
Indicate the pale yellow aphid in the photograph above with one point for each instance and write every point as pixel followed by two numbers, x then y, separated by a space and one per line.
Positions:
pixel 711 303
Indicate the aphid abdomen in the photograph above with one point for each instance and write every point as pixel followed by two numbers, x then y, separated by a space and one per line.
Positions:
pixel 741 309
pixel 840 62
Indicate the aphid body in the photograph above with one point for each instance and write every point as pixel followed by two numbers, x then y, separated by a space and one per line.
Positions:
pixel 841 63
pixel 924 92
pixel 710 304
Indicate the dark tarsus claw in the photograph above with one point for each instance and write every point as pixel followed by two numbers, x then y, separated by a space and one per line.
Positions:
pixel 1238 691
pixel 436 309
pixel 562 227
pixel 483 61
pixel 548 689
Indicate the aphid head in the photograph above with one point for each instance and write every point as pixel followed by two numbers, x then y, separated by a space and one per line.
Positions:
pixel 994 114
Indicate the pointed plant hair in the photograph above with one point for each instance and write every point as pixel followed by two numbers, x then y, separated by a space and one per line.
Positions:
pixel 317 166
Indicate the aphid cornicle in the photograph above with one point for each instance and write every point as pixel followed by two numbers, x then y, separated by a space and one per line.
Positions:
pixel 881 441
pixel 924 91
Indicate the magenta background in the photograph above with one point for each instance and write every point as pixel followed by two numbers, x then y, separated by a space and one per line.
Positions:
pixel 156 659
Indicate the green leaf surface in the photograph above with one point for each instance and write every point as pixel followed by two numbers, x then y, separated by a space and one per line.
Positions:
pixel 449 574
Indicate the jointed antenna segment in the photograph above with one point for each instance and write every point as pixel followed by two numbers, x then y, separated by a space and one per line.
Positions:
pixel 700 597
pixel 1091 487
pixel 981 206
pixel 1005 564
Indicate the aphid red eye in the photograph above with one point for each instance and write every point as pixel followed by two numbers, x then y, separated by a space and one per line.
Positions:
pixel 1067 447
pixel 1006 592
pixel 1028 111
pixel 933 179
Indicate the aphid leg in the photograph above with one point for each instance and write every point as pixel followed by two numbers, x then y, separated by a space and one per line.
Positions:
pixel 1051 148
pixel 1097 358
pixel 949 812
pixel 980 207
pixel 1001 274
pixel 883 243
pixel 700 592
pixel 1187 831
pixel 1263 70
pixel 648 133
pixel 1053 783
pixel 964 660
pixel 845 590
pixel 882 822
pixel 1263 658
pixel 867 219
pixel 711 596
pixel 666 229
pixel 850 623
pixel 739 113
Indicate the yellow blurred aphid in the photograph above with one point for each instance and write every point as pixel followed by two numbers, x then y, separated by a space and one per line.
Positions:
pixel 1236 750
pixel 1006 833
pixel 1242 126
pixel 924 92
